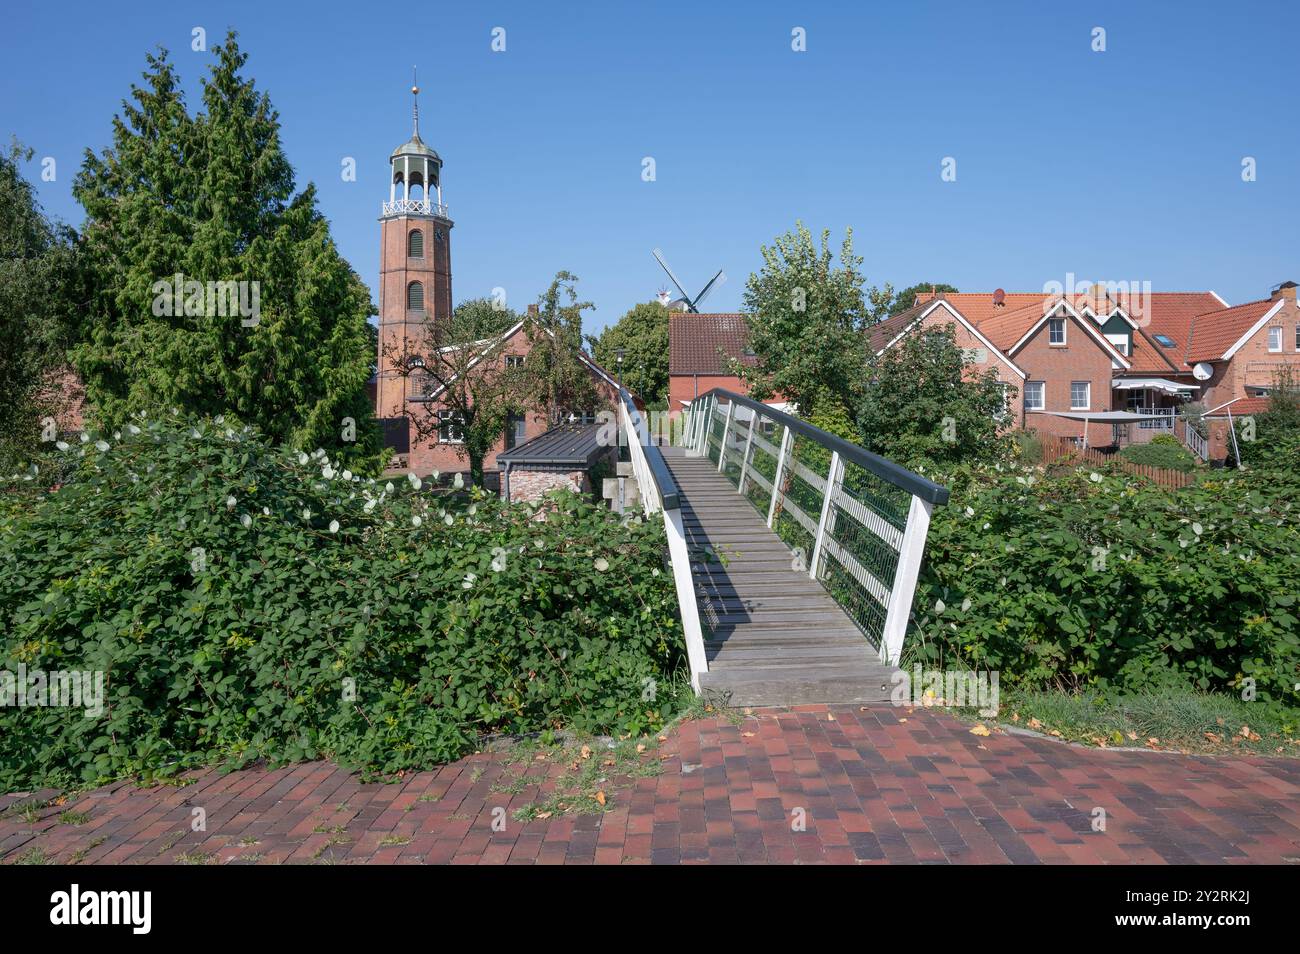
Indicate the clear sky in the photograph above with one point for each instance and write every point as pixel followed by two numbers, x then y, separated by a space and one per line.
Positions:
pixel 1123 165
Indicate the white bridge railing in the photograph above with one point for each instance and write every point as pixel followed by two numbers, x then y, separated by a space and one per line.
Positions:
pixel 659 495
pixel 858 520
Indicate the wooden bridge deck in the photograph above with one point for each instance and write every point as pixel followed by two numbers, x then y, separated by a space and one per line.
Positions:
pixel 772 635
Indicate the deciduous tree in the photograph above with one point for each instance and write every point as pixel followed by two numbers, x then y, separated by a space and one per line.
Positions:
pixel 642 334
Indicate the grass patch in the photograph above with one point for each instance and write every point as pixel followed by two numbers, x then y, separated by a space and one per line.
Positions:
pixel 80 854
pixel 74 818
pixel 1172 720
pixel 595 773
pixel 34 856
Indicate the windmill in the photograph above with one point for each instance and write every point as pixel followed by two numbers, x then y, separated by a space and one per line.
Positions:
pixel 692 304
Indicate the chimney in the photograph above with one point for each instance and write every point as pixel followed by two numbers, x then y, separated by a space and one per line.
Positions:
pixel 1285 290
pixel 532 310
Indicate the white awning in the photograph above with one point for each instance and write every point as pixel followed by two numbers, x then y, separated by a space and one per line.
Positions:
pixel 1105 417
pixel 1160 384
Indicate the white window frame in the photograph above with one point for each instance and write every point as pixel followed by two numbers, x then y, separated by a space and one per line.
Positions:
pixel 1063 320
pixel 1087 396
pixel 1042 395
pixel 449 425
pixel 1274 330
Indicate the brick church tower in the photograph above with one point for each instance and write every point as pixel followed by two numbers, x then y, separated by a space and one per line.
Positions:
pixel 414 275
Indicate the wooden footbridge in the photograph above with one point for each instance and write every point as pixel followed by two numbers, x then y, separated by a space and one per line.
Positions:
pixel 795 553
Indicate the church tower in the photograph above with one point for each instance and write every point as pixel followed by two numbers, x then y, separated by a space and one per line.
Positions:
pixel 414 269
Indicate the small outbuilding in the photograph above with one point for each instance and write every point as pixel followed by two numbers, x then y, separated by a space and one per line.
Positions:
pixel 572 456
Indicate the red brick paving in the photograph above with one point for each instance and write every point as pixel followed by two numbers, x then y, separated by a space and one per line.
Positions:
pixel 875 786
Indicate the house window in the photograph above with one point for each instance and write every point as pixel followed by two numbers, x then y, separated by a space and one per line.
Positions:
pixel 1275 338
pixel 1121 346
pixel 514 361
pixel 415 296
pixel 450 428
pixel 1080 395
pixel 415 244
pixel 1297 337
pixel 1056 331
pixel 1034 400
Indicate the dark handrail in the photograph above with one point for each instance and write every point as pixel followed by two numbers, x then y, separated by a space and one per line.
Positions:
pixel 669 497
pixel 883 468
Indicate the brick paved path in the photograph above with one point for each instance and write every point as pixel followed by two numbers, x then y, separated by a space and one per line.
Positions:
pixel 881 785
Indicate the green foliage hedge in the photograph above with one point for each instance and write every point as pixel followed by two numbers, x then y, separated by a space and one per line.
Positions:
pixel 1090 579
pixel 251 602
pixel 1159 454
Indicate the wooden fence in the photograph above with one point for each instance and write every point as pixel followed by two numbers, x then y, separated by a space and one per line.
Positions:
pixel 1056 449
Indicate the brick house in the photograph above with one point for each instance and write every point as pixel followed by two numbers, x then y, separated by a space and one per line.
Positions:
pixel 441 451
pixel 700 349
pixel 1112 369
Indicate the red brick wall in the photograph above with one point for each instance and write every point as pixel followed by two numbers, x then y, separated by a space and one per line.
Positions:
pixel 528 485
pixel 1081 358
pixel 401 334
pixel 685 387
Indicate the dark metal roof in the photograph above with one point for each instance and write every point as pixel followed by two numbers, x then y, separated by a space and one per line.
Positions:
pixel 568 444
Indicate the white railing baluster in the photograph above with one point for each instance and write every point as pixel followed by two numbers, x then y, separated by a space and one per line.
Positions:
pixel 726 430
pixel 776 480
pixel 832 480
pixel 905 574
pixel 744 459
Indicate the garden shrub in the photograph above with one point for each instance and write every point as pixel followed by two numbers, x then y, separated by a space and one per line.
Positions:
pixel 1164 455
pixel 1105 580
pixel 251 602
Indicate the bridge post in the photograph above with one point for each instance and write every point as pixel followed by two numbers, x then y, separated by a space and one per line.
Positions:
pixel 776 479
pixel 726 430
pixel 904 588
pixel 744 460
pixel 832 478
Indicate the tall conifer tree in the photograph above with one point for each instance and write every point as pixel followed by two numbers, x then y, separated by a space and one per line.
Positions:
pixel 211 198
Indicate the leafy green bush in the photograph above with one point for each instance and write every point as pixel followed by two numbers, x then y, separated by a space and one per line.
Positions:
pixel 1027 447
pixel 250 602
pixel 1161 454
pixel 1087 579
pixel 1165 440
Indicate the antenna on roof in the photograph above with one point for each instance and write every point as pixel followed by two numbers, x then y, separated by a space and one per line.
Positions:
pixel 691 304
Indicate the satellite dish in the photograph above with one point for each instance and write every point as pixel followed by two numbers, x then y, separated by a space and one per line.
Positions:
pixel 999 296
pixel 1203 371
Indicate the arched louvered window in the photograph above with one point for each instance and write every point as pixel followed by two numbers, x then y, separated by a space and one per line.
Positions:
pixel 415 244
pixel 415 297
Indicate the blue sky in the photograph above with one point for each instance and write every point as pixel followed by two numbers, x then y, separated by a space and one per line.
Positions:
pixel 1119 166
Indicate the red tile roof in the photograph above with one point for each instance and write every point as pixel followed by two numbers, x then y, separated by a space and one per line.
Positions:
pixel 704 344
pixel 1243 407
pixel 1213 333
pixel 1166 313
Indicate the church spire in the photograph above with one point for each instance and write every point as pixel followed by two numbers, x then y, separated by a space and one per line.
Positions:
pixel 415 100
